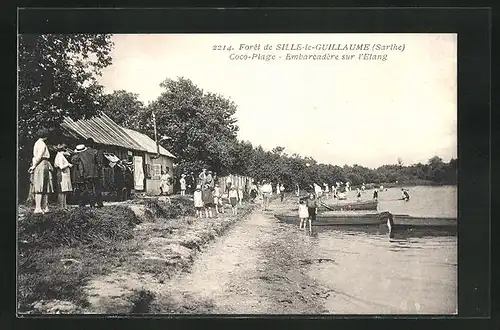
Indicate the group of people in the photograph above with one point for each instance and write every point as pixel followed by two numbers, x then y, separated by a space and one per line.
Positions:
pixel 208 195
pixel 79 171
pixel 307 211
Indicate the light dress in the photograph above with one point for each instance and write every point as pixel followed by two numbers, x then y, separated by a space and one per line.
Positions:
pixel 42 174
pixel 303 212
pixel 198 201
pixel 63 165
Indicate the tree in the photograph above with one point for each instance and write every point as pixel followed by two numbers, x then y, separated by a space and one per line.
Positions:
pixel 201 125
pixel 57 77
pixel 124 108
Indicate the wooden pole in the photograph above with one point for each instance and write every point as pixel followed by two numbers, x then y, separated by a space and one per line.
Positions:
pixel 156 137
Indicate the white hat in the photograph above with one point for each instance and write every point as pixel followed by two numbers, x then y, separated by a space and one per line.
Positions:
pixel 80 148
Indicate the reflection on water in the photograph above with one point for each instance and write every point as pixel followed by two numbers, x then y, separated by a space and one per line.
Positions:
pixel 373 274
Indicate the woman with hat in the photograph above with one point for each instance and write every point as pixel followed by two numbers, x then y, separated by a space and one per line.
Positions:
pixel 42 172
pixel 63 174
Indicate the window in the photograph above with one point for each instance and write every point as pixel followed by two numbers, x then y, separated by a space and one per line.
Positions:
pixel 156 171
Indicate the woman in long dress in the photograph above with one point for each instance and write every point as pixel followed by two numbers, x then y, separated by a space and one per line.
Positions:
pixel 42 172
pixel 63 175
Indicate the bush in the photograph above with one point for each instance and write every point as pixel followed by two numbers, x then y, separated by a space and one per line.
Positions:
pixel 78 226
pixel 176 208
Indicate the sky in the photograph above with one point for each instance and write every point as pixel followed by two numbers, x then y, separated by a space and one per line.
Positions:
pixel 361 111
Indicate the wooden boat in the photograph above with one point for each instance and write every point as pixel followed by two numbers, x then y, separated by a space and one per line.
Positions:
pixel 360 218
pixel 351 205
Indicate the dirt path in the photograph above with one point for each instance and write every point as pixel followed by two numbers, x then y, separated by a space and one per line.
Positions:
pixel 259 266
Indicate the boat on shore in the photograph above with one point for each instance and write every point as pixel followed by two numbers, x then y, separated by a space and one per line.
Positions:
pixel 360 218
pixel 350 206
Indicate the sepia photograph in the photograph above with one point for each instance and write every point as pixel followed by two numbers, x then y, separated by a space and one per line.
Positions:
pixel 228 174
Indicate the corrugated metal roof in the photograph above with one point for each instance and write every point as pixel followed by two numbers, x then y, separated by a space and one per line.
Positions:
pixel 147 143
pixel 102 130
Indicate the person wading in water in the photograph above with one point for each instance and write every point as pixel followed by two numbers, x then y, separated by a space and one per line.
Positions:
pixel 312 206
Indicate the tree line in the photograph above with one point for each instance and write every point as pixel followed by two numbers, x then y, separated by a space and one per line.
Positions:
pixel 203 134
pixel 58 77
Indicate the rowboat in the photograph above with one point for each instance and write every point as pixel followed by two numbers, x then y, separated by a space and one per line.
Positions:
pixel 360 218
pixel 351 205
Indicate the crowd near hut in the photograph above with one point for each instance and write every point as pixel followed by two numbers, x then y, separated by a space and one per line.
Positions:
pixel 131 162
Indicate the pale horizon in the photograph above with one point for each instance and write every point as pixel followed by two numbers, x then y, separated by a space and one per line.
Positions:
pixel 368 113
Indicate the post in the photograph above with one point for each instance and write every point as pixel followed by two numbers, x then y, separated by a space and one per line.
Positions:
pixel 156 137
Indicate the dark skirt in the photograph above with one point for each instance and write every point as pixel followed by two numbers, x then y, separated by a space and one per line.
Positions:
pixel 312 213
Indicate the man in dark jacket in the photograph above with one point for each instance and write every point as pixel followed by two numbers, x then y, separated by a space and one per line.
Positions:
pixel 98 172
pixel 83 171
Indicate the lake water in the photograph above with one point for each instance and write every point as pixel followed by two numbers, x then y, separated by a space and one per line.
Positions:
pixel 372 274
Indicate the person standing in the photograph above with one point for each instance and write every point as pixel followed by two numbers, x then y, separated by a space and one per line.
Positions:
pixel 219 206
pixel 253 192
pixel 97 176
pixel 317 190
pixel 282 192
pixel 233 199
pixel 208 200
pixel 63 175
pixel 229 183
pixel 267 192
pixel 201 178
pixel 198 202
pixel 312 206
pixel 375 194
pixel 84 172
pixel 327 190
pixel 190 183
pixel 41 169
pixel 215 178
pixel 303 214
pixel 165 181
pixel 182 182
pixel 209 180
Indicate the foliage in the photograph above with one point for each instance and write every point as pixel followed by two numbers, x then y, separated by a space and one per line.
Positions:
pixel 203 131
pixel 123 107
pixel 56 78
pixel 201 125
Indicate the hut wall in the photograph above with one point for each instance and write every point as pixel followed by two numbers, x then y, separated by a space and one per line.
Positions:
pixel 154 168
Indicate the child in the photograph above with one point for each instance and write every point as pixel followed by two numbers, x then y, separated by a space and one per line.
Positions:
pixel 233 199
pixel 182 181
pixel 198 202
pixel 303 213
pixel 311 210
pixel 208 200
pixel 217 199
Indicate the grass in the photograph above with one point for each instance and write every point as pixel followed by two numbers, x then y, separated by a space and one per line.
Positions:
pixel 61 251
